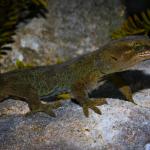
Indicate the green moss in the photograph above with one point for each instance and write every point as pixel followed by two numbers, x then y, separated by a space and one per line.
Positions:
pixel 21 65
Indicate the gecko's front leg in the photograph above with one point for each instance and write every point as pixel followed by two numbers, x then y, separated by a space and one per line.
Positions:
pixel 27 93
pixel 80 93
pixel 119 82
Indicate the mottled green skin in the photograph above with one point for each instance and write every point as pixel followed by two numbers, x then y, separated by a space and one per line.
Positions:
pixel 79 75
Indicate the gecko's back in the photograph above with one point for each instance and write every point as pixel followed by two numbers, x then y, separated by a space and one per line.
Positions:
pixel 38 77
pixel 43 78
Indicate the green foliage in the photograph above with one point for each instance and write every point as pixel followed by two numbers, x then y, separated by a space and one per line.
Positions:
pixel 21 65
pixel 12 12
pixel 134 25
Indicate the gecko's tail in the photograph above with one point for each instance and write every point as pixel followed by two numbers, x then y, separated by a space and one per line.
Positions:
pixel 1 79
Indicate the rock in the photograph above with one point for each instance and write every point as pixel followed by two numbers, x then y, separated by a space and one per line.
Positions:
pixel 147 146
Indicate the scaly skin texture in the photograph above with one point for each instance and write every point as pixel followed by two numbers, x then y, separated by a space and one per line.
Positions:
pixel 77 77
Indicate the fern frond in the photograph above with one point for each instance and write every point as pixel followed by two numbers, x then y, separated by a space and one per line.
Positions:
pixel 135 25
pixel 12 12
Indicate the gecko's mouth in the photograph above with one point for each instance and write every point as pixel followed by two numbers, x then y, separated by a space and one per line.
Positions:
pixel 144 55
pixel 141 56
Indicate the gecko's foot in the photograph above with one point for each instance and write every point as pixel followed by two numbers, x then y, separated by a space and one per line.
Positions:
pixel 130 99
pixel 92 105
pixel 49 107
pixel 127 92
pixel 46 108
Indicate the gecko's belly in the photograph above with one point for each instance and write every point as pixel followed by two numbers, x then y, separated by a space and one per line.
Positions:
pixel 54 92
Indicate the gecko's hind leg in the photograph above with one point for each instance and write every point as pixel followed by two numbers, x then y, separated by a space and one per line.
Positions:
pixel 118 81
pixel 27 93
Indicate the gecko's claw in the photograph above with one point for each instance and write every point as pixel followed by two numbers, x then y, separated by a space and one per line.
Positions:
pixel 133 102
pixel 130 99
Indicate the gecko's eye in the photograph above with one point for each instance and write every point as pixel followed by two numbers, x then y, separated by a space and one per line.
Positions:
pixel 138 47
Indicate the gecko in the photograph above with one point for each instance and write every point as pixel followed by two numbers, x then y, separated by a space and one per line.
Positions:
pixel 78 76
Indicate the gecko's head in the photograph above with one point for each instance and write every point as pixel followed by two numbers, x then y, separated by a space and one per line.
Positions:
pixel 128 51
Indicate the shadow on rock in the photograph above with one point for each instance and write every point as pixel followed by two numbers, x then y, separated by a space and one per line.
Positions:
pixel 136 79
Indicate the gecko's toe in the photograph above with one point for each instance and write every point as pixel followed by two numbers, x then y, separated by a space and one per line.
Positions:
pixel 96 110
pixel 56 105
pixel 48 109
pixel 98 102
pixel 85 111
pixel 51 113
pixel 87 107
